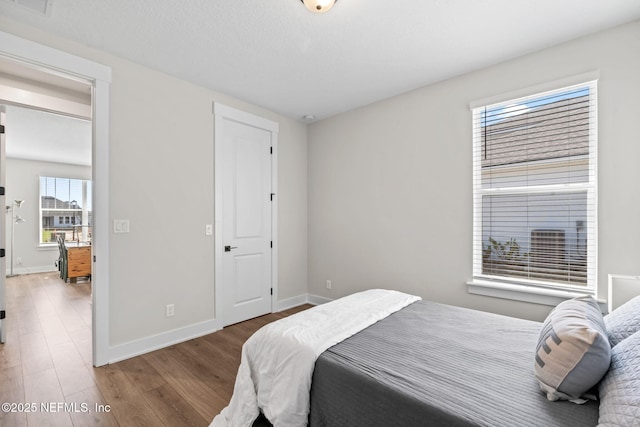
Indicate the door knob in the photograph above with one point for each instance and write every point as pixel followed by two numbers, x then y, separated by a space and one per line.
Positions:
pixel 228 248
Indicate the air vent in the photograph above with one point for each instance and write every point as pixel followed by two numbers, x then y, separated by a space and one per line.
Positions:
pixel 43 7
pixel 547 247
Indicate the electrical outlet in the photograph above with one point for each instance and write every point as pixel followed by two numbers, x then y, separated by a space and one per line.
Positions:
pixel 328 284
pixel 170 310
pixel 19 260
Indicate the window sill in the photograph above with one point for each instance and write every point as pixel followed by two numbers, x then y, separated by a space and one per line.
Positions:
pixel 532 294
pixel 47 247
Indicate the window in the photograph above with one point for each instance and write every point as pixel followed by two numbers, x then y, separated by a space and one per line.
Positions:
pixel 65 209
pixel 534 175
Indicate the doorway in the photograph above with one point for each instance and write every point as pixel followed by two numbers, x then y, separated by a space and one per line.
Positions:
pixel 23 62
pixel 47 181
pixel 47 178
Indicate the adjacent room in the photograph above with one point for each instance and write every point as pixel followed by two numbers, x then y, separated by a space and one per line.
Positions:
pixel 188 184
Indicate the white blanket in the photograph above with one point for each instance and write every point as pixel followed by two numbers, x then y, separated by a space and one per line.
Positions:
pixel 278 360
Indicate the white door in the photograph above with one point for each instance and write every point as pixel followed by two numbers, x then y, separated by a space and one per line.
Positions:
pixel 3 236
pixel 244 249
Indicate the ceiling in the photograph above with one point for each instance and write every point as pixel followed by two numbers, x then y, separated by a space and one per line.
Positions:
pixel 43 136
pixel 46 79
pixel 278 55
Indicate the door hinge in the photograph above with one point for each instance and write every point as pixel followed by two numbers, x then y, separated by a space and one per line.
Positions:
pixel 270 150
pixel 3 314
pixel 1 191
pixel 1 128
pixel 271 294
pixel 271 243
pixel 2 253
pixel 272 194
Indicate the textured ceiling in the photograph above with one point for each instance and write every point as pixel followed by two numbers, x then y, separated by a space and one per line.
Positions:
pixel 276 54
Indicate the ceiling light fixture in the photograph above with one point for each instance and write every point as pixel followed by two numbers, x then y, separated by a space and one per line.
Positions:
pixel 319 6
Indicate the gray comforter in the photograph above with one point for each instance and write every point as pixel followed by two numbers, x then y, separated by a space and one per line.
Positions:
pixel 436 365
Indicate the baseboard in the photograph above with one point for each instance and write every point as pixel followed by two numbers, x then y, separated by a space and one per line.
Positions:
pixel 292 302
pixel 317 300
pixel 175 336
pixel 298 301
pixel 17 271
pixel 165 339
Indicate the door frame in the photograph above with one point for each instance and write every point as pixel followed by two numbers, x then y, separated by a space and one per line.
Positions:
pixel 3 226
pixel 224 112
pixel 56 61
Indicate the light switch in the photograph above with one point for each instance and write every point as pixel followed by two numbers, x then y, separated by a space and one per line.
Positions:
pixel 208 229
pixel 120 225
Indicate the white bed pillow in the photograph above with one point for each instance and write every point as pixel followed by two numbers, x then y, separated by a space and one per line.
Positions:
pixel 573 351
pixel 620 387
pixel 624 321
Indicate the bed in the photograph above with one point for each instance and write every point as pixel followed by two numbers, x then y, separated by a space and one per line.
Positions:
pixel 432 364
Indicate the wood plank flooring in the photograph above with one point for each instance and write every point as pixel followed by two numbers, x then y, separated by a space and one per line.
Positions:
pixel 46 364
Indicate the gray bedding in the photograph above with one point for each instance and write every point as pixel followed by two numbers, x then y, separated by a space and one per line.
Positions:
pixel 436 365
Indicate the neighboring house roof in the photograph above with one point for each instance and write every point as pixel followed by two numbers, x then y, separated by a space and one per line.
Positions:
pixel 540 133
pixel 50 202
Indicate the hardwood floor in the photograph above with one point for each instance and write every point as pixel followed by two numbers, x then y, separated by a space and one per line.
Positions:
pixel 46 365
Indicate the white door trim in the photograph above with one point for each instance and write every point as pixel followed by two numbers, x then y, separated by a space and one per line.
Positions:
pixel 222 112
pixel 3 222
pixel 16 48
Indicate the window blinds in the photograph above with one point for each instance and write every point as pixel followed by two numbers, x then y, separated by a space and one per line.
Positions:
pixel 534 174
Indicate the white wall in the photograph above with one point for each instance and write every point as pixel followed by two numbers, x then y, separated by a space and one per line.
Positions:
pixel 161 178
pixel 390 187
pixel 23 183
